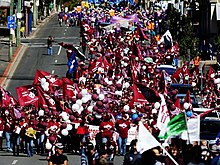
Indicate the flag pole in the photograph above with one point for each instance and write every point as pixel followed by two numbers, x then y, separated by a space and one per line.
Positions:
pixel 168 154
pixel 187 127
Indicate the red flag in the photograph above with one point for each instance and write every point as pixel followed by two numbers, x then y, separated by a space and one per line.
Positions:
pixel 69 88
pixel 136 51
pixel 210 73
pixel 26 96
pixel 177 103
pixel 206 112
pixel 66 45
pixel 134 70
pixel 45 100
pixel 5 99
pixel 138 96
pixel 187 98
pixel 150 94
pixel 141 33
pixel 94 65
pixel 107 66
pixel 52 80
pixel 177 76
pixel 175 48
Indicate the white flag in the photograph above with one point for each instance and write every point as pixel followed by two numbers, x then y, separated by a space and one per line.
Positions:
pixel 193 127
pixel 168 37
pixel 146 140
pixel 163 116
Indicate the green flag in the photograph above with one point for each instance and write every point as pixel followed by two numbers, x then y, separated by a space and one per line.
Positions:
pixel 175 126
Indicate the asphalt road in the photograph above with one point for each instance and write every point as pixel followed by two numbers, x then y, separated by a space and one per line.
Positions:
pixel 22 159
pixel 35 57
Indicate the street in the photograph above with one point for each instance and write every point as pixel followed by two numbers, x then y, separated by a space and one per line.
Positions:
pixel 35 57
pixel 22 159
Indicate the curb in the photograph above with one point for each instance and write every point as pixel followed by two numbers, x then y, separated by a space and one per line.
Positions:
pixel 17 56
pixel 11 67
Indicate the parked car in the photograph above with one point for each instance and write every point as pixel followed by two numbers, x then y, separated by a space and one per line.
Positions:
pixel 209 129
pixel 182 90
pixel 170 69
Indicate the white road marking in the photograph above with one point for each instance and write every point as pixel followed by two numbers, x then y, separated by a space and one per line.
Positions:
pixel 58 53
pixel 14 161
pixel 55 61
pixel 52 72
pixel 65 30
pixel 64 33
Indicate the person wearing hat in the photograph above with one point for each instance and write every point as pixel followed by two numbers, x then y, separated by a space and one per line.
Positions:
pixel 58 157
pixel 90 156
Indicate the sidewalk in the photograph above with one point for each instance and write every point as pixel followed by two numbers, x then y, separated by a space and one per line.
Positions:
pixel 6 67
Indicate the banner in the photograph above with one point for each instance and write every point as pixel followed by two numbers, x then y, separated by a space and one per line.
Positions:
pixel 163 116
pixel 93 130
pixel 132 134
pixel 193 130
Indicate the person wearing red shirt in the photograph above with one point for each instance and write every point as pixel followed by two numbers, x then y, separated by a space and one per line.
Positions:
pixel 106 127
pixel 1 130
pixel 53 125
pixel 122 127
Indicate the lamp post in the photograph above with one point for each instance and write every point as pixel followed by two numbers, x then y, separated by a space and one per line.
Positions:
pixel 201 63
pixel 18 38
pixel 10 36
pixel 34 13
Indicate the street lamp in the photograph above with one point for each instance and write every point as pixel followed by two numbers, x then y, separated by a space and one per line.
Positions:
pixel 19 16
pixel 10 36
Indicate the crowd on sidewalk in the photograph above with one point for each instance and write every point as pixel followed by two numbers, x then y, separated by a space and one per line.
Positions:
pixel 120 88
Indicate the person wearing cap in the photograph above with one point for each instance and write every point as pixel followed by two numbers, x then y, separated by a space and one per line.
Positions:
pixel 58 157
pixel 91 156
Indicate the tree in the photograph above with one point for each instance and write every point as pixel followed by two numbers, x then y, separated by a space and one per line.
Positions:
pixel 217 43
pixel 188 39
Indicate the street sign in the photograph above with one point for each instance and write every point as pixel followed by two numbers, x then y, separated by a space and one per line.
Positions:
pixel 11 22
pixel 11 19
pixel 11 26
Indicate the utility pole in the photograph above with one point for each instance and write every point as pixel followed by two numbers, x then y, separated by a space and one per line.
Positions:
pixel 35 14
pixel 10 36
pixel 18 38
